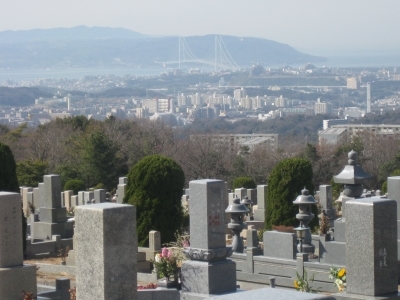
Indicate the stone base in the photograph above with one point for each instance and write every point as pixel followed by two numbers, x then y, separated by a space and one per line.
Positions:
pixel 259 215
pixel 347 296
pixel 14 280
pixel 70 259
pixel 340 231
pixel 44 231
pixel 208 277
pixel 53 215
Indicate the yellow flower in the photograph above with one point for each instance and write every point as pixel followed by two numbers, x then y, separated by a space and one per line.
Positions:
pixel 342 272
pixel 296 285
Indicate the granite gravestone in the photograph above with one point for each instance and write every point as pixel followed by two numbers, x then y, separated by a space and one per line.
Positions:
pixel 259 213
pixel 393 184
pixel 105 251
pixel 371 246
pixel 14 276
pixel 121 189
pixel 53 217
pixel 208 271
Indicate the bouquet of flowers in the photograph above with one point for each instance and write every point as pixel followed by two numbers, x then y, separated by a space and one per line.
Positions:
pixel 165 264
pixel 339 277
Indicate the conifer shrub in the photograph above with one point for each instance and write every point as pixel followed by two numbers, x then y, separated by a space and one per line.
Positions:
pixel 155 186
pixel 76 185
pixel 245 182
pixel 285 183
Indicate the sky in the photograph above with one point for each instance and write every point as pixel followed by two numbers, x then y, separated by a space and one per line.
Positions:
pixel 312 26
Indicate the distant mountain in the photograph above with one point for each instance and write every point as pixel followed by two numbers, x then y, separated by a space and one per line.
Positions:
pixel 86 47
pixel 68 34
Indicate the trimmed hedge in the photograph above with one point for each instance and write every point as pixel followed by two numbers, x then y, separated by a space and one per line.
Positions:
pixel 245 182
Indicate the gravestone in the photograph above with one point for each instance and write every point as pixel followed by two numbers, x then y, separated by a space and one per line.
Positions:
pixel 88 197
pixel 325 199
pixel 121 189
pixel 68 199
pixel 394 193
pixel 25 205
pixel 105 251
pixel 241 193
pixel 208 271
pixel 75 201
pixel 53 217
pixel 14 276
pixel 252 195
pixel 100 195
pixel 41 195
pixel 81 199
pixel 259 213
pixel 371 246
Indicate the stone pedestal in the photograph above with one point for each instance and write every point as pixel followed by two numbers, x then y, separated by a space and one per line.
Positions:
pixel 106 251
pixel 14 276
pixel 371 246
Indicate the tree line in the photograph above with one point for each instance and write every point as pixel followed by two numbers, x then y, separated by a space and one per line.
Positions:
pixel 99 152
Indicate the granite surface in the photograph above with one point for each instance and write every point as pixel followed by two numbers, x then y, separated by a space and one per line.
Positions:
pixel 11 230
pixel 105 250
pixel 325 196
pixel 208 278
pixel 207 213
pixel 280 244
pixel 52 191
pixel 14 280
pixel 393 188
pixel 371 246
pixel 262 191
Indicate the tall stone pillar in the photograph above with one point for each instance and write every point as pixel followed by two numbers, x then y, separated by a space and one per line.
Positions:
pixel 14 275
pixel 105 251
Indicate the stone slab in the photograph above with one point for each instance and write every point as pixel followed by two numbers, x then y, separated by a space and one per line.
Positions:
pixel 45 231
pixel 52 191
pixel 332 253
pixel 208 278
pixel 100 195
pixel 280 244
pixel 252 195
pixel 262 191
pixel 123 180
pixel 207 214
pixel 259 214
pixel 272 294
pixel 41 195
pixel 325 196
pixel 340 230
pixel 106 247
pixel 14 280
pixel 121 190
pixel 68 199
pixel 154 240
pixel 11 230
pixel 241 193
pixel 158 294
pixel 371 246
pixel 53 215
pixel 88 196
pixel 393 185
pixel 347 296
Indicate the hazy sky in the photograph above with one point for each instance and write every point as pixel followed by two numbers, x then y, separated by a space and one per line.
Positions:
pixel 313 26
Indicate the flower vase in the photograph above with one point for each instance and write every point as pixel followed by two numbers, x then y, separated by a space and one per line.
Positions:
pixel 168 283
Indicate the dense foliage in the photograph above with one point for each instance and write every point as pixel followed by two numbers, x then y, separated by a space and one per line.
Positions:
pixel 155 186
pixel 30 173
pixel 75 185
pixel 285 183
pixel 245 182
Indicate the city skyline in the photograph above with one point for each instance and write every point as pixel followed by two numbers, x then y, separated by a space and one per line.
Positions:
pixel 315 27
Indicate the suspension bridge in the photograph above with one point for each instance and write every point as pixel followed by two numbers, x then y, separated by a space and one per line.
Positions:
pixel 218 57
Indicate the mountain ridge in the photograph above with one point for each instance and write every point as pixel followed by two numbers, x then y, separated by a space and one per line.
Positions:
pixel 84 46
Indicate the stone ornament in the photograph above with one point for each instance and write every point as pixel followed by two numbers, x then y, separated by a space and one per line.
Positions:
pixel 208 254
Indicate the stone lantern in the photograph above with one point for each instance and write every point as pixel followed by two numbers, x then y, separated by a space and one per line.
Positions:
pixel 304 201
pixel 248 203
pixel 237 211
pixel 352 176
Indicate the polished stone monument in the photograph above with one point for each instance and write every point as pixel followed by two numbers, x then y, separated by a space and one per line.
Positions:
pixel 207 270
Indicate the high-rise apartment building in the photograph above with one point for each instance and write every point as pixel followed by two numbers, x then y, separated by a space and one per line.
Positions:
pixel 322 107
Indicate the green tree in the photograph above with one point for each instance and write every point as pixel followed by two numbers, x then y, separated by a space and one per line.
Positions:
pixel 9 180
pixel 285 183
pixel 155 186
pixel 101 163
pixel 76 185
pixel 30 173
pixel 245 182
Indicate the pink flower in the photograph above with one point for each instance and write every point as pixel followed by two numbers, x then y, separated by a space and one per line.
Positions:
pixel 164 252
pixel 185 244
